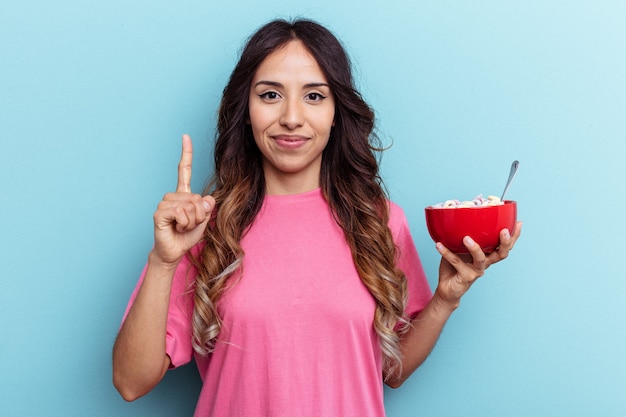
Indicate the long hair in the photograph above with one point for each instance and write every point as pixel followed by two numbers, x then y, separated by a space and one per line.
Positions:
pixel 349 179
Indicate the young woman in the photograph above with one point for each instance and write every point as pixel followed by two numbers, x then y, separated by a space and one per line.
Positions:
pixel 292 280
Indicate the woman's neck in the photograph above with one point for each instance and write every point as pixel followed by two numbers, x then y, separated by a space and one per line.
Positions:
pixel 286 184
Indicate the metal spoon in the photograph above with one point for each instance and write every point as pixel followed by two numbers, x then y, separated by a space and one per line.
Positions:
pixel 514 167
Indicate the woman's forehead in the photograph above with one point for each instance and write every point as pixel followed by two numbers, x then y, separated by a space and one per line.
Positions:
pixel 292 61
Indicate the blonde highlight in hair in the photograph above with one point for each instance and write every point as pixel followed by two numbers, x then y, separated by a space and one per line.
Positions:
pixel 349 180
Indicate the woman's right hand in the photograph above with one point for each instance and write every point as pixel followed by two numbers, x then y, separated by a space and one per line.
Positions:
pixel 181 217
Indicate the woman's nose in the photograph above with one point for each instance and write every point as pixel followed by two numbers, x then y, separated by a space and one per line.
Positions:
pixel 292 114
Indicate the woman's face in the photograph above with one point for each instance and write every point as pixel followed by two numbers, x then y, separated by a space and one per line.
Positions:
pixel 291 113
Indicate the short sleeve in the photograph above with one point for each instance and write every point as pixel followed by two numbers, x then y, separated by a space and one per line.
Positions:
pixel 178 332
pixel 419 292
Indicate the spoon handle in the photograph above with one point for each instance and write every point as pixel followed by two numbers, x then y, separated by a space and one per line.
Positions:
pixel 514 167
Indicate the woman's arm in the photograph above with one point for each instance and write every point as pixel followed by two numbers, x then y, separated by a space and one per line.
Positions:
pixel 139 357
pixel 456 276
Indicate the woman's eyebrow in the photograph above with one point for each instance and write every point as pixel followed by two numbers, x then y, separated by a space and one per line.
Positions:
pixel 270 83
pixel 312 85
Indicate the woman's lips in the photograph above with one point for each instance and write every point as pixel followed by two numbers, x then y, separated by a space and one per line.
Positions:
pixel 290 141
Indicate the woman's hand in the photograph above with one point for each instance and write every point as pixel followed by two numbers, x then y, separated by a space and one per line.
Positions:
pixel 181 217
pixel 457 273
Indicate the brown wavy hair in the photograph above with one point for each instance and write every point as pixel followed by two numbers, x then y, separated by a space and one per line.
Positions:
pixel 349 179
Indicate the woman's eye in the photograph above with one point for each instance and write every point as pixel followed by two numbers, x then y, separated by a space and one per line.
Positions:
pixel 315 97
pixel 269 95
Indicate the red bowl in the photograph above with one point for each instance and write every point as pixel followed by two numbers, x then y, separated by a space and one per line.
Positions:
pixel 483 224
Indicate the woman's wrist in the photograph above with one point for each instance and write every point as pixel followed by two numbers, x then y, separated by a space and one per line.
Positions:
pixel 444 305
pixel 156 262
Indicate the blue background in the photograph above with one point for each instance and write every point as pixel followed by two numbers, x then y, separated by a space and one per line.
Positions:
pixel 95 95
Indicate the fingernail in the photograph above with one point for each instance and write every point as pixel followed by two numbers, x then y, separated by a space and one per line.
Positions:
pixel 207 206
pixel 468 241
pixel 507 234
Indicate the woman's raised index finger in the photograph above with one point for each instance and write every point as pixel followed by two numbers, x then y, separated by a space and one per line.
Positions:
pixel 184 166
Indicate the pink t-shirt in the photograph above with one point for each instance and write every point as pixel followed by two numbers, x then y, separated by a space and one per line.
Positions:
pixel 297 337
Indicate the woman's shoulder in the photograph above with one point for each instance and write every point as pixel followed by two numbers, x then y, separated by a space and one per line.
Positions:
pixel 397 217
